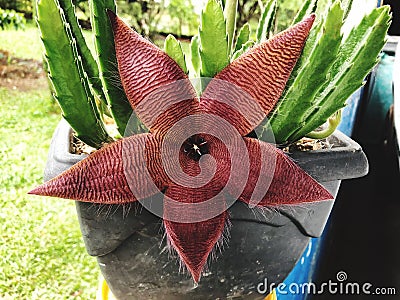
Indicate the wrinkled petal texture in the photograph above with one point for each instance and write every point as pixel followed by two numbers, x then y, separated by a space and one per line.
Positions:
pixel 104 176
pixel 200 180
pixel 194 218
pixel 193 241
pixel 157 88
pixel 259 75
pixel 288 183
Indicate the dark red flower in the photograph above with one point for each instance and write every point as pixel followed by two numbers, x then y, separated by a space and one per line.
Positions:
pixel 196 152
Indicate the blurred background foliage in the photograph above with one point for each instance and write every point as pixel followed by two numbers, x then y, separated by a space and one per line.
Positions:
pixel 154 18
pixel 23 6
pixel 11 18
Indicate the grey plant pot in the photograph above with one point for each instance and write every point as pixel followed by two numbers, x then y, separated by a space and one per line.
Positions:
pixel 131 249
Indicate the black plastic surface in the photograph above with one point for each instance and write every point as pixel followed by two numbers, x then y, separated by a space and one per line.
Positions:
pixel 131 248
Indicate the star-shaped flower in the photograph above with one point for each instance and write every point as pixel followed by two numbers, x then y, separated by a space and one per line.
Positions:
pixel 197 151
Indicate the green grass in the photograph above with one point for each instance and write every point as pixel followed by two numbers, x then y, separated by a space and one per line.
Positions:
pixel 42 255
pixel 23 43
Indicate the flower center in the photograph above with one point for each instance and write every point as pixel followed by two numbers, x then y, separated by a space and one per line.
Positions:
pixel 195 147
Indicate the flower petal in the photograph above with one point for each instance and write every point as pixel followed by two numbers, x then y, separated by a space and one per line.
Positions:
pixel 117 173
pixel 194 205
pixel 157 88
pixel 248 89
pixel 275 179
pixel 193 241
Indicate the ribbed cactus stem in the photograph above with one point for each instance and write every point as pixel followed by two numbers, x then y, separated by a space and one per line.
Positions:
pixel 66 73
pixel 230 12
pixel 88 62
pixel 104 41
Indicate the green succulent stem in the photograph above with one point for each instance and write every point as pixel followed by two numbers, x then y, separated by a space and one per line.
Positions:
pixel 266 21
pixel 308 7
pixel 347 4
pixel 214 51
pixel 329 70
pixel 358 54
pixel 213 40
pixel 242 50
pixel 230 12
pixel 117 101
pixel 66 73
pixel 333 123
pixel 88 61
pixel 174 50
pixel 312 74
pixel 195 55
pixel 242 38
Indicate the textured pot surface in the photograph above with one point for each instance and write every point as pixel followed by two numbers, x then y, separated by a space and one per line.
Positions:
pixel 130 245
